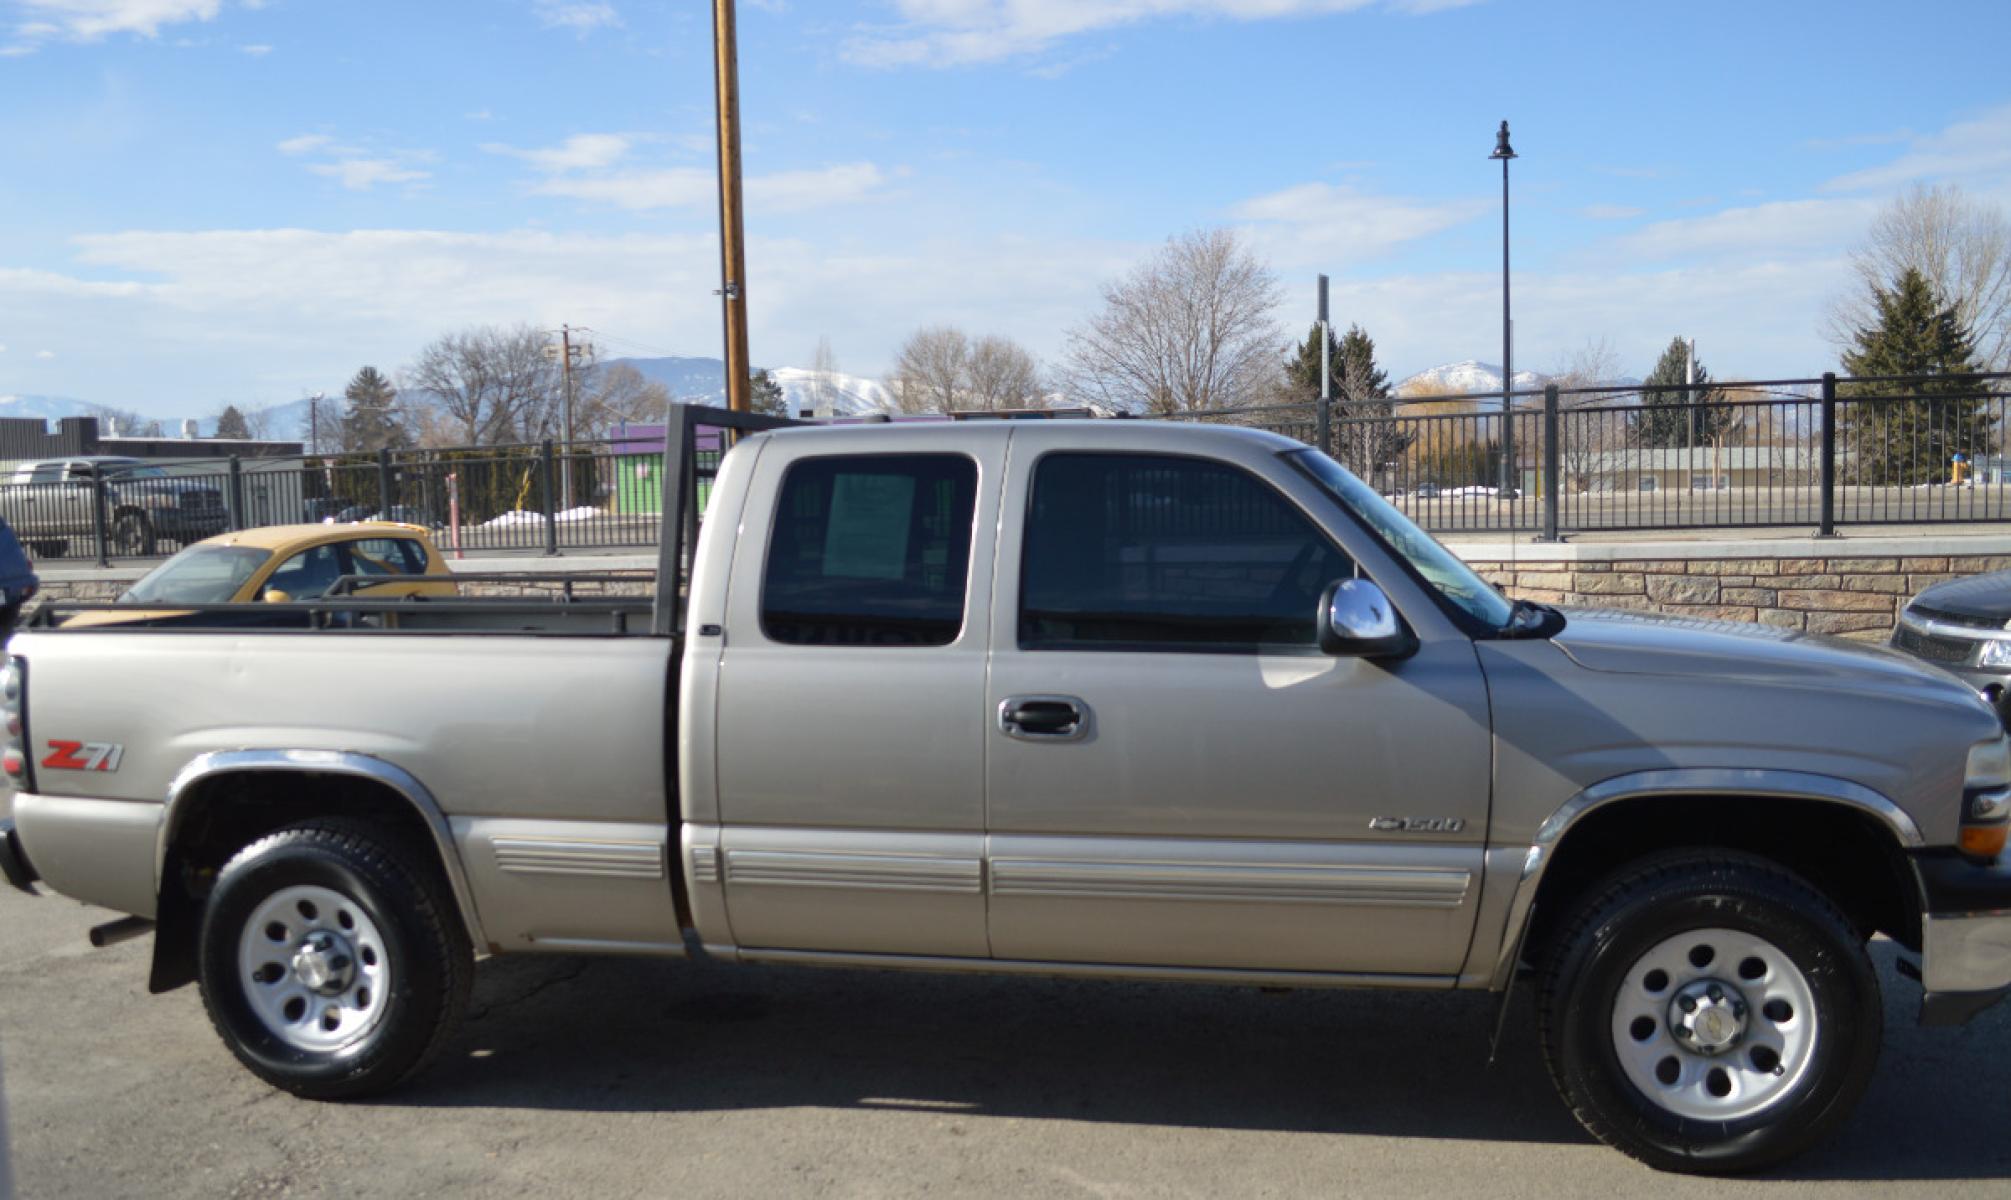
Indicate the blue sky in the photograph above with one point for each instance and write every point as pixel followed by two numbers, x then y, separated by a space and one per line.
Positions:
pixel 221 201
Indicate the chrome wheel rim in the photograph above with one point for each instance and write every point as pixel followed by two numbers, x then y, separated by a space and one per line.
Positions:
pixel 1715 1024
pixel 314 968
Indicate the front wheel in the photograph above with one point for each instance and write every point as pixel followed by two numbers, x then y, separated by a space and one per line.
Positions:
pixel 331 961
pixel 1710 1012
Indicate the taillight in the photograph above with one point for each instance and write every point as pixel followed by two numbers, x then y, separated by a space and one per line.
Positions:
pixel 13 714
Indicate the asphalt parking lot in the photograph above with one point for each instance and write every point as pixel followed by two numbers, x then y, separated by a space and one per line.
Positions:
pixel 611 1078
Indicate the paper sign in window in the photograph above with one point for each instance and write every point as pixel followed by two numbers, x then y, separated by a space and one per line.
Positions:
pixel 867 537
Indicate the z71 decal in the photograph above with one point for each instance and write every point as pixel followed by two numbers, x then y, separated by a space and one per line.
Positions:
pixel 83 756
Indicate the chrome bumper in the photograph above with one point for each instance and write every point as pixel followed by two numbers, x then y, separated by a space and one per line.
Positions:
pixel 1965 936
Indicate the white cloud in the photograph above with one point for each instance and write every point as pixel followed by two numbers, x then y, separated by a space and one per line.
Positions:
pixel 1329 222
pixel 1609 212
pixel 286 309
pixel 798 191
pixel 580 152
pixel 578 15
pixel 357 168
pixel 1752 319
pixel 1980 146
pixel 89 20
pixel 1761 230
pixel 362 174
pixel 638 191
pixel 262 314
pixel 256 50
pixel 697 187
pixel 45 354
pixel 306 143
pixel 945 33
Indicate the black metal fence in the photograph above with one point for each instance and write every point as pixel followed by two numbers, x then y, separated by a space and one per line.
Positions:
pixel 1817 452
pixel 541 498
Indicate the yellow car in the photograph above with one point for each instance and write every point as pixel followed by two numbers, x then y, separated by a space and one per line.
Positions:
pixel 279 563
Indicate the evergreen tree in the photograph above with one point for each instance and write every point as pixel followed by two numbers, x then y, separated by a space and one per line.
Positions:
pixel 1914 430
pixel 1679 418
pixel 1301 383
pixel 1357 377
pixel 231 424
pixel 1368 438
pixel 370 417
pixel 767 396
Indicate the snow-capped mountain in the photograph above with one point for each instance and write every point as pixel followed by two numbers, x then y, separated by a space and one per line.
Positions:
pixel 47 408
pixel 1462 378
pixel 703 381
pixel 851 395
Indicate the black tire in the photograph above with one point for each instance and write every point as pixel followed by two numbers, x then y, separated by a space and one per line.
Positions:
pixel 1668 901
pixel 48 549
pixel 133 535
pixel 405 906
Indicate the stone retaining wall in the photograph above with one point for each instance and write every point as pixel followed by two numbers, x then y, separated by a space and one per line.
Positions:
pixel 1847 595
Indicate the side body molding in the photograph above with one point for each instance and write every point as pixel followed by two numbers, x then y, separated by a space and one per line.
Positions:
pixel 1675 782
pixel 324 762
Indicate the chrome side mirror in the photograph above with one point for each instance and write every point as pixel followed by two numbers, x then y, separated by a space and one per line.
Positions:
pixel 1358 621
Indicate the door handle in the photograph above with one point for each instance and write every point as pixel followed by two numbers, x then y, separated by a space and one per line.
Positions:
pixel 1044 718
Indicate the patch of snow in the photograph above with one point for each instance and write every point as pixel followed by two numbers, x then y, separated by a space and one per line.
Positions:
pixel 521 517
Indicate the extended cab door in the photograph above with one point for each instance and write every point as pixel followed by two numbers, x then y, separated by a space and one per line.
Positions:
pixel 1177 775
pixel 851 729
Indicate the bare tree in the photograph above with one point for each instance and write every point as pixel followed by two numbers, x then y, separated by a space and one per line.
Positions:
pixel 493 384
pixel 122 422
pixel 613 395
pixel 824 381
pixel 929 372
pixel 1190 329
pixel 323 427
pixel 1588 436
pixel 258 423
pixel 1962 247
pixel 1001 373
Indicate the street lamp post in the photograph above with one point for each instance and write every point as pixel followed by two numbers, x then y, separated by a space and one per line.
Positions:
pixel 1504 152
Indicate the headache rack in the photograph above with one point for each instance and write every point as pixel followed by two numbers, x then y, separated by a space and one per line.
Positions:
pixel 572 603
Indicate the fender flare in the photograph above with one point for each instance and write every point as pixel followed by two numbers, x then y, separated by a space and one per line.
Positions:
pixel 1671 783
pixel 401 782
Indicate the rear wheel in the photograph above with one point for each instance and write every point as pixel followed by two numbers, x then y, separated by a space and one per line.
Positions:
pixel 1710 1012
pixel 133 534
pixel 332 962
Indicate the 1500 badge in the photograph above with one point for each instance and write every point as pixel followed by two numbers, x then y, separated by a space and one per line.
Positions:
pixel 1417 824
pixel 83 756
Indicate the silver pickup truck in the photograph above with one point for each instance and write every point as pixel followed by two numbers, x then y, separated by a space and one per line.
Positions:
pixel 1097 698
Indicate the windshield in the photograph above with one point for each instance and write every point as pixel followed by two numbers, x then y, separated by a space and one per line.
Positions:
pixel 198 575
pixel 131 470
pixel 1439 566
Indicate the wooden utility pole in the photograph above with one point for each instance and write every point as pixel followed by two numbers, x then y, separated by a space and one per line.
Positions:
pixel 732 249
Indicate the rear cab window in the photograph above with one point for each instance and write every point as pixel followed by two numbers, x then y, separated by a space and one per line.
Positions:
pixel 870 550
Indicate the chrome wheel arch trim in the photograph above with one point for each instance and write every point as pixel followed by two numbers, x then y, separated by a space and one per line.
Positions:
pixel 1672 783
pixel 205 767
